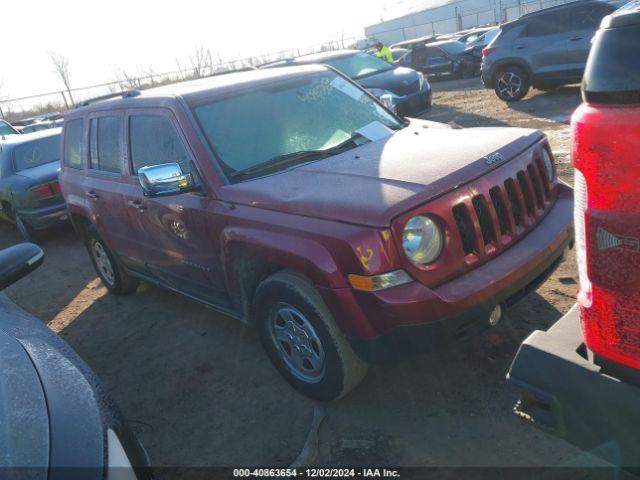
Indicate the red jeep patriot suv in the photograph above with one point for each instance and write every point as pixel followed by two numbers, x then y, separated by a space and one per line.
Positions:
pixel 582 377
pixel 292 199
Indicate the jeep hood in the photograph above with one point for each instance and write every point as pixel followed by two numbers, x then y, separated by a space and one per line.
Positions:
pixel 373 183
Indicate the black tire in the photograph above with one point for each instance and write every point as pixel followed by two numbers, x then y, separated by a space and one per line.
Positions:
pixel 342 368
pixel 511 83
pixel 117 281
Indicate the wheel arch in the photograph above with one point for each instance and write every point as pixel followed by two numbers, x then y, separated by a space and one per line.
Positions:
pixel 505 62
pixel 251 255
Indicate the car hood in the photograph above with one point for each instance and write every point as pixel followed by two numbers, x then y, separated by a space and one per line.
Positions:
pixel 41 174
pixel 373 183
pixel 394 78
pixel 23 409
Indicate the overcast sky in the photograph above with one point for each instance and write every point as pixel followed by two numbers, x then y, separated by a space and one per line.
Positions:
pixel 102 37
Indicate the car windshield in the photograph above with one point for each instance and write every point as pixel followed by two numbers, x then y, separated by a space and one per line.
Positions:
pixel 6 129
pixel 359 65
pixel 37 152
pixel 488 37
pixel 453 48
pixel 315 112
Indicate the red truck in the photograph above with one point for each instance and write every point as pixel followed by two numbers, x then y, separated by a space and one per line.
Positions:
pixel 292 199
pixel 581 379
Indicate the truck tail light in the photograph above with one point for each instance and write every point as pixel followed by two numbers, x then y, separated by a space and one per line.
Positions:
pixel 607 229
pixel 486 51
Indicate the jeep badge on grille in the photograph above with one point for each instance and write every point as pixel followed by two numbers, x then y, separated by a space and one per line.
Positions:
pixel 493 158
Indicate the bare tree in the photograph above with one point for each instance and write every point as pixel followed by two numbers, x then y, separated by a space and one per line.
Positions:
pixel 61 64
pixel 201 62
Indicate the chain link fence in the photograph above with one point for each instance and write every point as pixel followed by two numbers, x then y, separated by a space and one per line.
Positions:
pixel 203 63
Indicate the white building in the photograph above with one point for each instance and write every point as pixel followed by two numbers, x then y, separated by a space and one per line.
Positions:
pixel 453 16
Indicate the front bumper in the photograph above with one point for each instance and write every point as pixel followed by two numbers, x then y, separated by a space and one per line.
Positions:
pixel 414 104
pixel 565 392
pixel 412 318
pixel 45 217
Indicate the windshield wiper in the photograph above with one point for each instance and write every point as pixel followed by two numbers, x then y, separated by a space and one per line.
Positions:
pixel 293 158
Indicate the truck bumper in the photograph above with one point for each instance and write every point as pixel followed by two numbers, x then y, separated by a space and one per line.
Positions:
pixel 412 318
pixel 565 392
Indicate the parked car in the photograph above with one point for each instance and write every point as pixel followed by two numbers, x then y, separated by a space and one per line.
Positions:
pixel 401 89
pixel 581 379
pixel 544 49
pixel 478 44
pixel 291 199
pixel 29 191
pixel 57 422
pixel 474 35
pixel 35 127
pixel 450 58
pixel 7 129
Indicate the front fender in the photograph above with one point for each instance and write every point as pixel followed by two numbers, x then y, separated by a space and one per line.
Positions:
pixel 304 255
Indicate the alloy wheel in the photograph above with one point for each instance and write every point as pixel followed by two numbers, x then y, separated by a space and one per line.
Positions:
pixel 509 84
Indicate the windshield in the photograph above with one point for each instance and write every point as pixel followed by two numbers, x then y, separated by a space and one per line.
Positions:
pixel 36 153
pixel 6 129
pixel 453 47
pixel 316 112
pixel 359 65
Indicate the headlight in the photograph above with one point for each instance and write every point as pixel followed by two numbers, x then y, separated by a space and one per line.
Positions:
pixel 422 240
pixel 548 164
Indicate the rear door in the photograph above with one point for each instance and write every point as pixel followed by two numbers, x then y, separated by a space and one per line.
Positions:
pixel 106 186
pixel 584 20
pixel 175 231
pixel 542 44
pixel 438 62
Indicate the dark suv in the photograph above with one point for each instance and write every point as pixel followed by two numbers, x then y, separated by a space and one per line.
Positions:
pixel 291 199
pixel 544 49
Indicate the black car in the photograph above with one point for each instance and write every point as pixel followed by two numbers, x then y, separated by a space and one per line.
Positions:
pixel 401 89
pixel 55 420
pixel 543 49
pixel 29 190
pixel 450 57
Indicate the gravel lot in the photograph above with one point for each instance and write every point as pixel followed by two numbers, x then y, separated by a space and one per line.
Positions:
pixel 199 390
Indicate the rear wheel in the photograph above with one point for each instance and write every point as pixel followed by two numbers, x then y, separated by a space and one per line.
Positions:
pixel 114 277
pixel 302 339
pixel 511 84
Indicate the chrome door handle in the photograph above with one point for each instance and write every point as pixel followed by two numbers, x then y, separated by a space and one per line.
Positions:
pixel 93 195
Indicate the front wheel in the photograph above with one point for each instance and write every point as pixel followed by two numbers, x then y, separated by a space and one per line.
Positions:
pixel 302 339
pixel 114 277
pixel 511 84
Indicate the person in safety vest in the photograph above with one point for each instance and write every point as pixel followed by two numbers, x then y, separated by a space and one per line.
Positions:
pixel 384 52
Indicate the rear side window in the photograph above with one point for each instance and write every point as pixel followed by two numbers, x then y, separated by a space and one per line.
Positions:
pixel 542 25
pixel 73 143
pixel 588 17
pixel 154 141
pixel 612 74
pixel 104 144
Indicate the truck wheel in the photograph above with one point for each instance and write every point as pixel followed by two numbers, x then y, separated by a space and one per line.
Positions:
pixel 114 277
pixel 302 339
pixel 511 84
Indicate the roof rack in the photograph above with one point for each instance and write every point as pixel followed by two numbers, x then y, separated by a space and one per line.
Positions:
pixel 124 94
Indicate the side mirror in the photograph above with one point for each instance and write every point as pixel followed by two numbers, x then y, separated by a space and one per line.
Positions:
pixel 18 261
pixel 165 179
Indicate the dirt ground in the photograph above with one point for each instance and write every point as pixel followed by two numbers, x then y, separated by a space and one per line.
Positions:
pixel 198 389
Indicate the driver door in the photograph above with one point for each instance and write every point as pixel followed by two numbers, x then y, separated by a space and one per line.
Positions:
pixel 178 249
